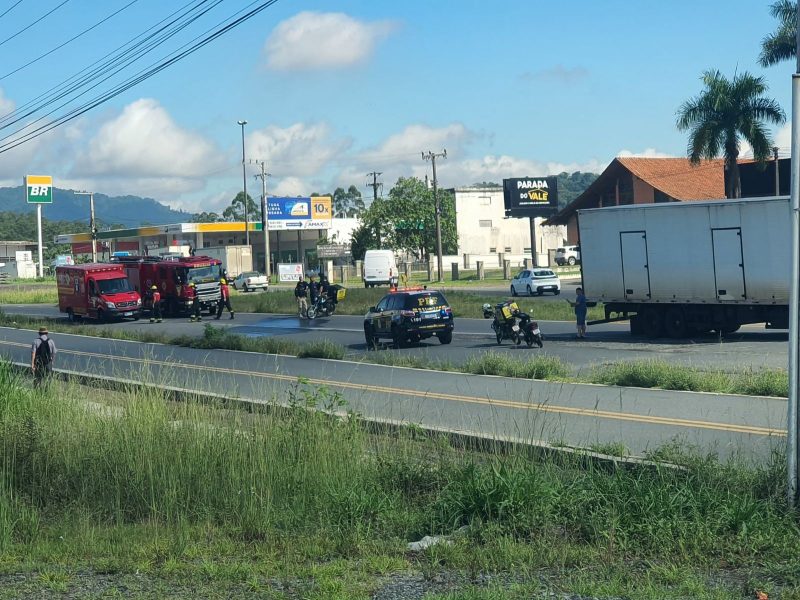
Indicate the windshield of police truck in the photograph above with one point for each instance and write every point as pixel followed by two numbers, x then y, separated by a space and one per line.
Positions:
pixel 200 274
pixel 113 286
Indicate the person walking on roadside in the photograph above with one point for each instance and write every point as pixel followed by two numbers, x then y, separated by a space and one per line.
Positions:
pixel 195 304
pixel 224 298
pixel 301 293
pixel 155 304
pixel 43 354
pixel 580 312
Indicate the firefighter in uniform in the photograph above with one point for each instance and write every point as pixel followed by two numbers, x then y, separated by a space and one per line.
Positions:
pixel 195 304
pixel 224 298
pixel 155 304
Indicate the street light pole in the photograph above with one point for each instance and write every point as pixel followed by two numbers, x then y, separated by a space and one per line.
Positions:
pixel 794 289
pixel 432 156
pixel 244 185
pixel 92 224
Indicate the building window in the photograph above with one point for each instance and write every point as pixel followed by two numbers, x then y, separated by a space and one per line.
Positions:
pixel 659 196
pixel 508 249
pixel 485 222
pixel 492 250
pixel 206 244
pixel 486 200
pixel 526 250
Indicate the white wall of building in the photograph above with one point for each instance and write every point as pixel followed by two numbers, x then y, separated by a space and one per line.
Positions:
pixel 484 230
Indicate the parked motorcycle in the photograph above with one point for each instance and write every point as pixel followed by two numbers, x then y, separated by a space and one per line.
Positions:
pixel 530 330
pixel 505 324
pixel 325 304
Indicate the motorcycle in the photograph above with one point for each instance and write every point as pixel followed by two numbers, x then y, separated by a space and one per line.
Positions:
pixel 530 330
pixel 322 307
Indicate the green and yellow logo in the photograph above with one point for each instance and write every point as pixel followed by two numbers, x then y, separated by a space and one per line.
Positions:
pixel 39 189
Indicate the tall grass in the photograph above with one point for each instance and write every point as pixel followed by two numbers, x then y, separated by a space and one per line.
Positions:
pixel 669 376
pixel 538 367
pixel 294 470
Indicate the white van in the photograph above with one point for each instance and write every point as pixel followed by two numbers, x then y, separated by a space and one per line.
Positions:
pixel 379 268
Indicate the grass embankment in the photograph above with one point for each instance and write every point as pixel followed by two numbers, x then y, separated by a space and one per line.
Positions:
pixel 191 500
pixel 646 373
pixel 464 304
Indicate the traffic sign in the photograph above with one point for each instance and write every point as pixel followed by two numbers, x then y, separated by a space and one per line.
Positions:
pixel 39 189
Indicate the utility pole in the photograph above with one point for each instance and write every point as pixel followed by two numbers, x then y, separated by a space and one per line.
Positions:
pixel 432 157
pixel 244 185
pixel 777 172
pixel 264 214
pixel 375 185
pixel 794 290
pixel 92 223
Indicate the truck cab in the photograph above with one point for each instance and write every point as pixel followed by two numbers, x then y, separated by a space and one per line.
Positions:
pixel 96 291
pixel 172 278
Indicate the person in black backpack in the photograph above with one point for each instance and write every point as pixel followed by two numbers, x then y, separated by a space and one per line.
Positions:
pixel 43 353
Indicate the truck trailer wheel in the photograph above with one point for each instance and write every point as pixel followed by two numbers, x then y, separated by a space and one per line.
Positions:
pixel 637 328
pixel 652 323
pixel 675 323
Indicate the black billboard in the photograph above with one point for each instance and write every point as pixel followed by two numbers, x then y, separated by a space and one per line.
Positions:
pixel 530 196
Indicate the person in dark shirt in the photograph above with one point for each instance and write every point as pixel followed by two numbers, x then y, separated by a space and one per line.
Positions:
pixel 301 293
pixel 43 353
pixel 580 312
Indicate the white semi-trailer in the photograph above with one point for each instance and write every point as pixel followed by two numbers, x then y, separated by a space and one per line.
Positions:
pixel 687 267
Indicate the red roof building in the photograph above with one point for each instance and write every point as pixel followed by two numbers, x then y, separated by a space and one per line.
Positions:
pixel 634 180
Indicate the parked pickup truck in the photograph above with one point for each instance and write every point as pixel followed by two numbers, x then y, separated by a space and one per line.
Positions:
pixel 250 280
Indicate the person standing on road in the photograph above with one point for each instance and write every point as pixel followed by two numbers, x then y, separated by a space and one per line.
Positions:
pixel 224 298
pixel 155 304
pixel 301 293
pixel 313 289
pixel 580 312
pixel 195 304
pixel 43 354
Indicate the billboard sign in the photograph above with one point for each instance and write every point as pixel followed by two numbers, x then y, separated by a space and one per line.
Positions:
pixel 332 250
pixel 39 189
pixel 290 272
pixel 530 196
pixel 299 213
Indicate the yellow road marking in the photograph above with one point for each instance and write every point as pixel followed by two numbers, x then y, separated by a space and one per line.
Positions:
pixel 567 410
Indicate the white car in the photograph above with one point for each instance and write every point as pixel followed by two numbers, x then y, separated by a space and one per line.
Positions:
pixel 535 282
pixel 250 280
pixel 568 255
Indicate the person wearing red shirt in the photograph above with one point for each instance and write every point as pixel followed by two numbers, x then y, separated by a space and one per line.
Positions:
pixel 224 299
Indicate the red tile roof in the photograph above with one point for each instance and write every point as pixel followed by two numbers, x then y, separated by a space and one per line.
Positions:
pixel 678 178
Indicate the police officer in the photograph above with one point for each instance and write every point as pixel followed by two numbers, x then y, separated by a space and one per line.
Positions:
pixel 155 304
pixel 224 298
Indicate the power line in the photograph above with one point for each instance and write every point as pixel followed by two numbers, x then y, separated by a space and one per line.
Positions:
pixel 39 20
pixel 140 77
pixel 8 10
pixel 65 88
pixel 70 40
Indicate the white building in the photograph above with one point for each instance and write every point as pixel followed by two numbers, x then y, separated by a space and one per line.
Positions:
pixel 484 232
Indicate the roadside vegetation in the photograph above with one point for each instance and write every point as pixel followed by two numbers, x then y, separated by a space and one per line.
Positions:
pixel 184 499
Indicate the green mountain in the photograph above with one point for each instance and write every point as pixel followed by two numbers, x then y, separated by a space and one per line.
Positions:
pixel 127 211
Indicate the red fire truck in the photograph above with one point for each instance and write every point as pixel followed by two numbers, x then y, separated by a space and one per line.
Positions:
pixel 96 291
pixel 172 277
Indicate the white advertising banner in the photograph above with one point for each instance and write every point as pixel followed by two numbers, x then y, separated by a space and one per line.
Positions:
pixel 290 272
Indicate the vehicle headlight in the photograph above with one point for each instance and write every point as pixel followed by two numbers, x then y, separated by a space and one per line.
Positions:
pixel 138 301
pixel 111 305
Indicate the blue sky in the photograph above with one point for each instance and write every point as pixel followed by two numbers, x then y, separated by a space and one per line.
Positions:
pixel 332 90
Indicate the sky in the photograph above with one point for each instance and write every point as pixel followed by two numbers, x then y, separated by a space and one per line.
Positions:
pixel 334 90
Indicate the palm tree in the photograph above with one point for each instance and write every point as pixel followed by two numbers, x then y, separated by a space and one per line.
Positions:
pixel 782 43
pixel 725 114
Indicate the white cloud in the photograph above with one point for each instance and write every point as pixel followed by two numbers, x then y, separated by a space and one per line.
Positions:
pixel 298 150
pixel 648 153
pixel 290 186
pixel 316 40
pixel 144 142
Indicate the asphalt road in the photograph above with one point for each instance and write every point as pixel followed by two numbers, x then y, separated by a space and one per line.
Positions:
pixel 517 409
pixel 751 347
